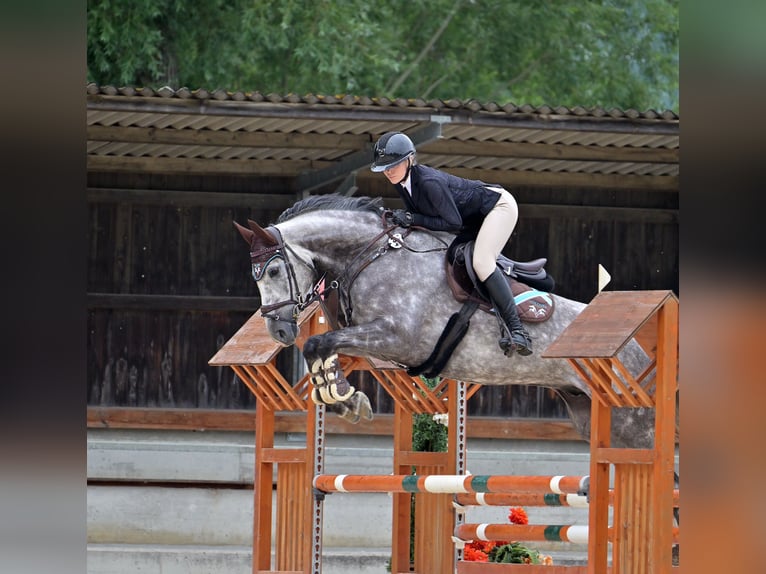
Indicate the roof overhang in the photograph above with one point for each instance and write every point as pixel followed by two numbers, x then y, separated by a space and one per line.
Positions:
pixel 316 141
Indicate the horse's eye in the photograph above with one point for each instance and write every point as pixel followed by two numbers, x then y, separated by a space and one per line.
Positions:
pixel 273 271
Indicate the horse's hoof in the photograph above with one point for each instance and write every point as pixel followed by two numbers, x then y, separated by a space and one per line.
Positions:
pixel 350 416
pixel 345 413
pixel 361 405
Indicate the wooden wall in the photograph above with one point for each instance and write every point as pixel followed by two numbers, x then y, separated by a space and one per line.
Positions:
pixel 169 282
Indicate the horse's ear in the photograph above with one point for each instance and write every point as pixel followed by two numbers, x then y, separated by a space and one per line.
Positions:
pixel 264 236
pixel 246 233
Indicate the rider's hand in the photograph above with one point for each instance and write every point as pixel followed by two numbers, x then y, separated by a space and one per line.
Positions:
pixel 401 217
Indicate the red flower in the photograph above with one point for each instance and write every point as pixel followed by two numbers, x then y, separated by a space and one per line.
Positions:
pixel 471 554
pixel 478 550
pixel 518 515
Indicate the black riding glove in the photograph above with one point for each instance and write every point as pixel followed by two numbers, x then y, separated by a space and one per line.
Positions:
pixel 401 217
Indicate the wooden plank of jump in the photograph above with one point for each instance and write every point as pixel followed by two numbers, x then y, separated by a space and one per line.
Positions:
pixel 398 389
pixel 604 327
pixel 252 344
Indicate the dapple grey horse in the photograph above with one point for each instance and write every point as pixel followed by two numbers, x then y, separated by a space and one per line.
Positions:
pixel 395 301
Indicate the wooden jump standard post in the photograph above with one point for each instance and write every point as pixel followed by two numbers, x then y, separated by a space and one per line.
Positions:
pixel 251 353
pixel 642 530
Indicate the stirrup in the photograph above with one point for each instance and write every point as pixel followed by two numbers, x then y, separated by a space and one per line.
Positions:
pixel 517 340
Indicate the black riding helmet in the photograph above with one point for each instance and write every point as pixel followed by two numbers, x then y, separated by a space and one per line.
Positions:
pixel 392 148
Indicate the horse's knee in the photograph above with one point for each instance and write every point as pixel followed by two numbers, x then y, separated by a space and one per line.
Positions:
pixel 311 349
pixel 318 347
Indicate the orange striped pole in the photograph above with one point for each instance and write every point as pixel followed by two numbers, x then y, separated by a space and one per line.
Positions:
pixel 530 499
pixel 450 484
pixel 576 533
pixel 521 499
pixel 553 532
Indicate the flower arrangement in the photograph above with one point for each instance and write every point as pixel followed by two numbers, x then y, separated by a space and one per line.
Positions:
pixel 504 551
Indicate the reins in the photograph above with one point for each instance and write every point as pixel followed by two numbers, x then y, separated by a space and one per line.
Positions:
pixel 387 213
pixel 353 269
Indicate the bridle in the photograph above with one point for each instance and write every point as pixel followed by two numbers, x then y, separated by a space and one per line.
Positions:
pixel 260 260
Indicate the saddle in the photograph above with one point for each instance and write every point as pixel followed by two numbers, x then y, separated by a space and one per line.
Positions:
pixel 530 282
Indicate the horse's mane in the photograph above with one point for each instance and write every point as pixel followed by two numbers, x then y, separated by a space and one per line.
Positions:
pixel 332 201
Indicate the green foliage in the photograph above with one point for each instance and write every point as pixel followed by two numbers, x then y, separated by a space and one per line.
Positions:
pixel 165 42
pixel 621 53
pixel 124 40
pixel 427 434
pixel 514 553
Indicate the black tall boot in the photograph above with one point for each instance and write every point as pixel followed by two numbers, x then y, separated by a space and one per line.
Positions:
pixel 516 338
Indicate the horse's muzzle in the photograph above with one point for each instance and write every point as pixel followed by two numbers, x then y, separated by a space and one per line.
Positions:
pixel 282 331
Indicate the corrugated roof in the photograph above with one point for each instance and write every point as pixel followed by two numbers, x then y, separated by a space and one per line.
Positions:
pixel 320 140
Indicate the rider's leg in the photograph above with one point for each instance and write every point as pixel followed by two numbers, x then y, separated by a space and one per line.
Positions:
pixel 493 235
pixel 502 298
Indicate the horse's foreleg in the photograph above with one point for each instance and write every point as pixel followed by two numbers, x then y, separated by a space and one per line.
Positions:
pixel 330 384
pixel 332 388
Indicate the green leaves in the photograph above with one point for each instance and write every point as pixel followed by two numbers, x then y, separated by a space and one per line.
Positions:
pixel 608 53
pixel 514 553
pixel 427 434
pixel 125 41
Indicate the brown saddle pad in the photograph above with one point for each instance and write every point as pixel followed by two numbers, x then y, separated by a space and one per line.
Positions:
pixel 533 306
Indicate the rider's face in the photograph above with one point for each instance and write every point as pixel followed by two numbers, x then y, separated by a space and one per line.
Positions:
pixel 397 173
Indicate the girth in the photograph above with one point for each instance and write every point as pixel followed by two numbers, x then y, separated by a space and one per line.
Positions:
pixel 453 333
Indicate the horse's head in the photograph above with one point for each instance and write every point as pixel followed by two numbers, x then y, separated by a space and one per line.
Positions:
pixel 283 274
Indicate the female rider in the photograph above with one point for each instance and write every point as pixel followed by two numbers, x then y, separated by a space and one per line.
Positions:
pixel 440 201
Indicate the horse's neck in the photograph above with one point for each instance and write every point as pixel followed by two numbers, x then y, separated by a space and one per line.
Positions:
pixel 333 243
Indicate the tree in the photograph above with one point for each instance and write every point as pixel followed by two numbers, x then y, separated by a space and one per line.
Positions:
pixel 165 42
pixel 608 53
